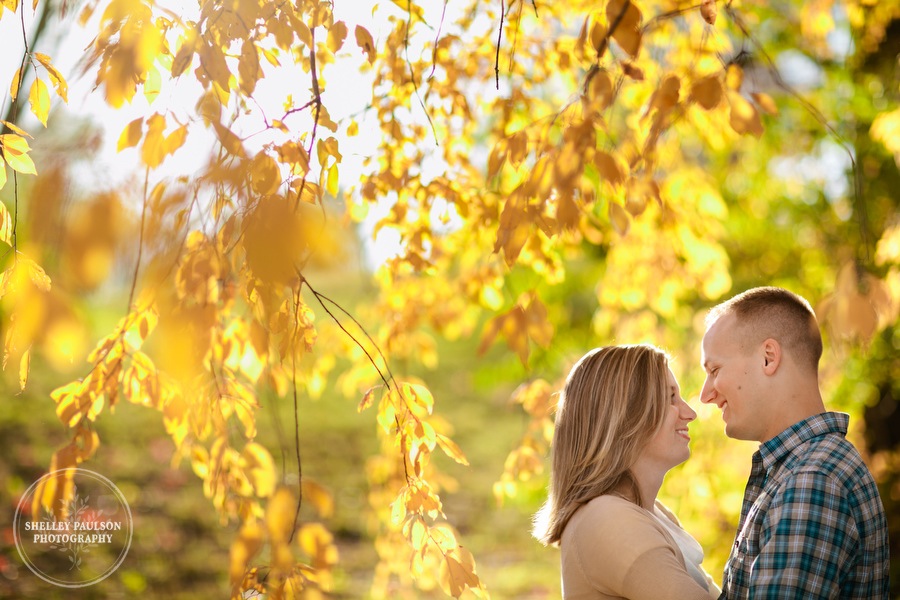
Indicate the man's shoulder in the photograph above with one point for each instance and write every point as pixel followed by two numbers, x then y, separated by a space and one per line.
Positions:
pixel 830 457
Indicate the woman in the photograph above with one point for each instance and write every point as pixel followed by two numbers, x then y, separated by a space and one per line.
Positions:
pixel 621 424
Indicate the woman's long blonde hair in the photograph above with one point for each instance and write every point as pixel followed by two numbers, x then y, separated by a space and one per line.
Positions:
pixel 613 401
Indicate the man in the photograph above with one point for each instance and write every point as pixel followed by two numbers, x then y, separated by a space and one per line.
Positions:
pixel 812 523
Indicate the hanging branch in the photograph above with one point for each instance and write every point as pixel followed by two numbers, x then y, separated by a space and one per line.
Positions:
pixel 296 415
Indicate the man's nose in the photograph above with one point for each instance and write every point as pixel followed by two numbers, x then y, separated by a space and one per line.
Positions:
pixel 708 393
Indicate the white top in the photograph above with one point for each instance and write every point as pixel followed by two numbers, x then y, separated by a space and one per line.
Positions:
pixel 690 548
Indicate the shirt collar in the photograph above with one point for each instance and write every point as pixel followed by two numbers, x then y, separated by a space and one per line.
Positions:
pixel 799 433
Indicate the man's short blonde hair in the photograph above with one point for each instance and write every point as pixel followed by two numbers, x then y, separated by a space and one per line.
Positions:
pixel 773 312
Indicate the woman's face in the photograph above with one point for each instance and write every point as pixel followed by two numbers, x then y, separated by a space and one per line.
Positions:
pixel 669 446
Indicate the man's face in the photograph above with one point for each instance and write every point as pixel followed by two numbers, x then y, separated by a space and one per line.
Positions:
pixel 731 380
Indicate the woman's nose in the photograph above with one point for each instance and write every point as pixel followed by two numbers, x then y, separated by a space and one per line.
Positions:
pixel 687 413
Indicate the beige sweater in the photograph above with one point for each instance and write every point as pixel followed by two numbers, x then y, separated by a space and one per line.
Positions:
pixel 612 548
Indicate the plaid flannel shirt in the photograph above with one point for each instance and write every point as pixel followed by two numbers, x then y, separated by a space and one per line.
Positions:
pixel 812 523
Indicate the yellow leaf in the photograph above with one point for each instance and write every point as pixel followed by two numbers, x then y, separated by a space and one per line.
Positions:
pixel 260 469
pixel 153 149
pixel 666 97
pixel 318 543
pixel 265 177
pixel 886 129
pixel 248 543
pixel 708 11
pixel 765 102
pixel 230 142
pixel 366 401
pixel 59 82
pixel 598 90
pixel 152 85
pixel 734 77
pixel 513 231
pixel 2 173
pixel 36 274
pixel 24 365
pixel 319 497
pixel 15 149
pixel 39 98
pixel 632 71
pixel 625 24
pixel 185 53
pixel 707 92
pixel 365 42
pixel 212 60
pixel 15 128
pixel 744 116
pixel 609 168
pixel 6 223
pixel 458 573
pixel 599 37
pixel 408 7
pixel 619 218
pixel 451 449
pixel 418 399
pixel 131 135
pixel 175 140
pixel 271 57
pixel 280 512
pixel 331 184
pixel 248 67
pixel 497 157
pixel 294 155
pixel 14 86
pixel 336 35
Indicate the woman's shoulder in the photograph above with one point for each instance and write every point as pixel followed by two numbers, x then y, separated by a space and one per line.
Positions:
pixel 610 512
pixel 614 529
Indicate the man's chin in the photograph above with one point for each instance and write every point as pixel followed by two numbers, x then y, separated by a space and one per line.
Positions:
pixel 735 433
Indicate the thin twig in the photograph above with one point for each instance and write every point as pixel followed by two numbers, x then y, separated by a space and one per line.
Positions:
pixel 296 415
pixel 499 37
pixel 137 263
pixel 437 38
pixel 412 75
pixel 317 103
pixel 321 298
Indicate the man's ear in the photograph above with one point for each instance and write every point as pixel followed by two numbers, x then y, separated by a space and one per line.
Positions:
pixel 771 356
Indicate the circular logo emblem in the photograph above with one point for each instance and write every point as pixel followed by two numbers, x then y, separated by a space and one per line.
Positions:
pixel 73 539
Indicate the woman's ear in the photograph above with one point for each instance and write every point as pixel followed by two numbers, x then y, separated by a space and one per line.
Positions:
pixel 771 356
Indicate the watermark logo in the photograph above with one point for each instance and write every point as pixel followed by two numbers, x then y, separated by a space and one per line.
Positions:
pixel 80 541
